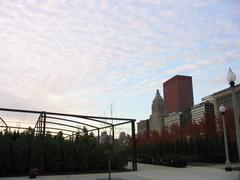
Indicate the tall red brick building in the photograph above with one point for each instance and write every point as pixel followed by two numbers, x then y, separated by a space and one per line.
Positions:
pixel 178 93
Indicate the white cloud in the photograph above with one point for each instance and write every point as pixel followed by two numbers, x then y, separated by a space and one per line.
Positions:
pixel 72 54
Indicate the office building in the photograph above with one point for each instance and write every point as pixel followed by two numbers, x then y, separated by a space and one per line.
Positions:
pixel 143 126
pixel 156 121
pixel 223 97
pixel 201 110
pixel 178 93
pixel 180 119
pixel 173 118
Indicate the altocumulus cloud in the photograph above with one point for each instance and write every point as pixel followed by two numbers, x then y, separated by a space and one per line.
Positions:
pixel 72 56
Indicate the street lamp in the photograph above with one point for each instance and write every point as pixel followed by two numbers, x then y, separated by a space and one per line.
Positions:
pixel 228 166
pixel 231 77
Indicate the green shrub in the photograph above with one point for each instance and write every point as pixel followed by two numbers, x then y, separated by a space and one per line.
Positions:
pixel 21 152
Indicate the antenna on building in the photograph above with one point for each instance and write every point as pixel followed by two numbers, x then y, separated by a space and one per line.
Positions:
pixel 112 111
pixel 112 101
pixel 18 125
pixel 111 114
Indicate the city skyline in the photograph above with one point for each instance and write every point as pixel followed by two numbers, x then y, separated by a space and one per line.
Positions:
pixel 80 57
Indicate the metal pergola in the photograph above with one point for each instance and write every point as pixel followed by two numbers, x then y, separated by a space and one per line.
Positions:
pixel 69 125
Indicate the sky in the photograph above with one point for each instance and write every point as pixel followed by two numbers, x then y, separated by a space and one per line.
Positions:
pixel 82 56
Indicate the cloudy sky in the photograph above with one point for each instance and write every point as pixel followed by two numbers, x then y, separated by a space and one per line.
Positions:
pixel 81 56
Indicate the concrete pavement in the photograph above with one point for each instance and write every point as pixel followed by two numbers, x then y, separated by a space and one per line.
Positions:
pixel 152 172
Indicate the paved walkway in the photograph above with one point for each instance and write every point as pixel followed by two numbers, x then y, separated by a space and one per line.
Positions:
pixel 152 172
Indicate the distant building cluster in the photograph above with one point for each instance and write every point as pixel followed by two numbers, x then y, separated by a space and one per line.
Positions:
pixel 178 107
pixel 106 138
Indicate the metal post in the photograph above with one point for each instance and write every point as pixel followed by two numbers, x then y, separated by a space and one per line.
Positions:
pixel 43 140
pixel 98 138
pixel 236 117
pixel 109 168
pixel 40 126
pixel 44 123
pixel 113 134
pixel 134 155
pixel 228 166
pixel 36 129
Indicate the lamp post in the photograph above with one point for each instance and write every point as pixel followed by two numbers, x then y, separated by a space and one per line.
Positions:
pixel 228 166
pixel 111 141
pixel 231 77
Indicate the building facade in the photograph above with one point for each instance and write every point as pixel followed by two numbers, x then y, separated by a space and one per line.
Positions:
pixel 173 118
pixel 104 138
pixel 178 93
pixel 200 111
pixel 224 97
pixel 123 138
pixel 143 126
pixel 156 121
pixel 180 119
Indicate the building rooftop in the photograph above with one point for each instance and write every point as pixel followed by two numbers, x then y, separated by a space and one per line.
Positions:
pixel 226 89
pixel 176 77
pixel 209 97
pixel 200 104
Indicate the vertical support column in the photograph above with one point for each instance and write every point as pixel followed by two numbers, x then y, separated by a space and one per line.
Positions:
pixel 36 128
pixel 134 148
pixel 40 125
pixel 98 137
pixel 44 123
pixel 44 117
pixel 113 134
pixel 41 130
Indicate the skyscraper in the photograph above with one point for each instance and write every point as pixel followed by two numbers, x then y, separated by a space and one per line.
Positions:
pixel 178 93
pixel 156 122
pixel 156 119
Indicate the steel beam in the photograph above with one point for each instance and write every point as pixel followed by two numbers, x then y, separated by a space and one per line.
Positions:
pixel 134 155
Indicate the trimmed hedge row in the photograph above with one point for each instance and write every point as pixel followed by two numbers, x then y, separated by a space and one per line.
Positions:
pixel 21 152
pixel 209 149
pixel 165 161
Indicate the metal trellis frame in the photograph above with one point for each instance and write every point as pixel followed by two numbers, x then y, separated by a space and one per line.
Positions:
pixel 41 125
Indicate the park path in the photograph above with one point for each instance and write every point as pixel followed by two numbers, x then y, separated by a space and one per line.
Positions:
pixel 151 172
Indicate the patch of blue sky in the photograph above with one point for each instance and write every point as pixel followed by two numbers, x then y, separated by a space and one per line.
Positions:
pixel 125 49
pixel 136 105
